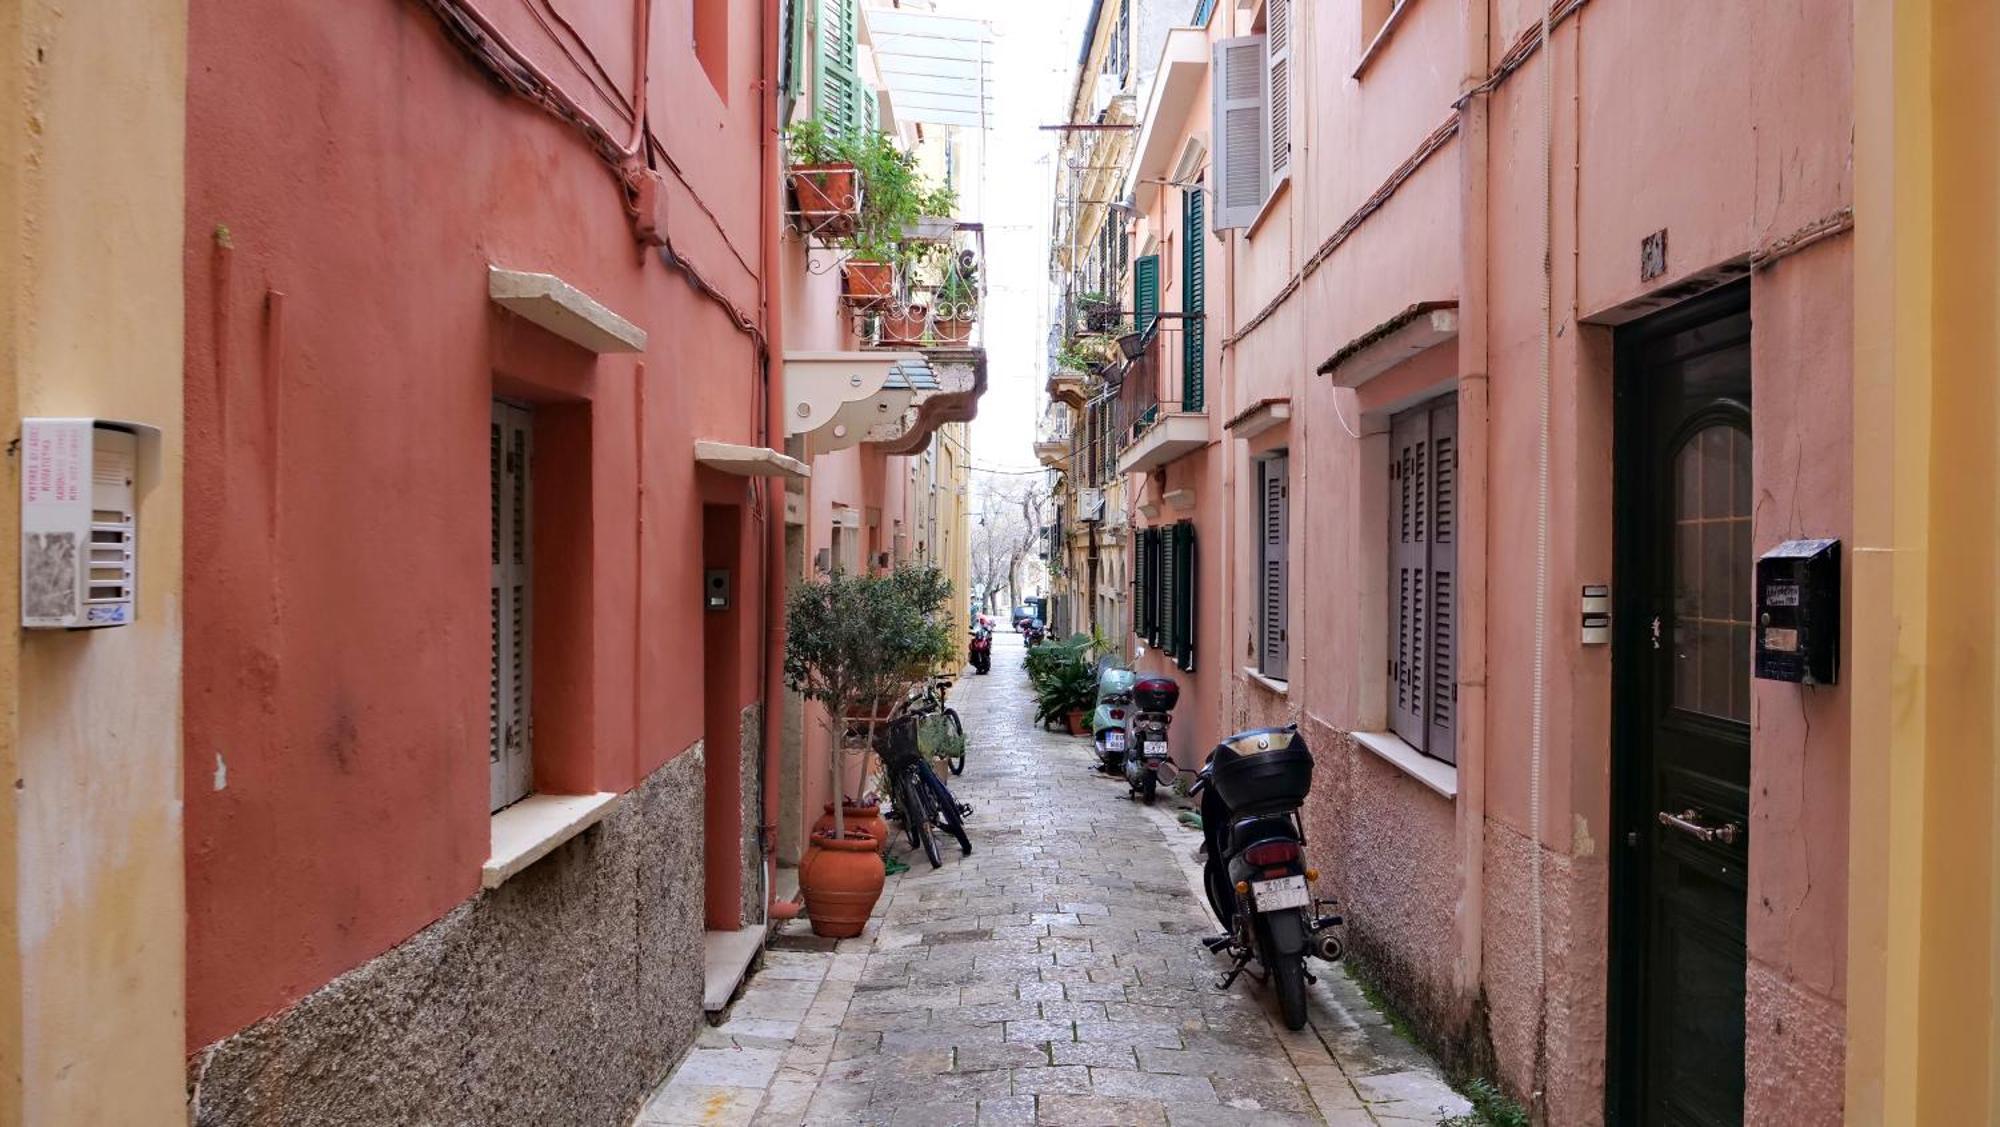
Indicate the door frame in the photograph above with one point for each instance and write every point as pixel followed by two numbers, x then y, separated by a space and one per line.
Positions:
pixel 1629 927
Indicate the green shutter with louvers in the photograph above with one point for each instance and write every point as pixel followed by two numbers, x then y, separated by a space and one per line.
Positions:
pixel 1184 590
pixel 836 101
pixel 1146 291
pixel 1194 286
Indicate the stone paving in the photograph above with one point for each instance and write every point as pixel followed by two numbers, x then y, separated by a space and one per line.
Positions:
pixel 1052 977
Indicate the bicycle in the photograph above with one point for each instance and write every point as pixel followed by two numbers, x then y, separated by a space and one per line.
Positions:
pixel 926 701
pixel 918 798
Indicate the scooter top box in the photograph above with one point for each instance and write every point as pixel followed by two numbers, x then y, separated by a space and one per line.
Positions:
pixel 1156 694
pixel 1264 770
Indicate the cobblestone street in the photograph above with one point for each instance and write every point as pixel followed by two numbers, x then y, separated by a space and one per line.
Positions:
pixel 1053 976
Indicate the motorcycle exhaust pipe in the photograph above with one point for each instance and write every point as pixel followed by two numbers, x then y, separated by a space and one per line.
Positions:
pixel 1327 946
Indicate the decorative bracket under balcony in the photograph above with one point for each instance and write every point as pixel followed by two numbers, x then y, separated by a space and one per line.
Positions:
pixel 1066 386
pixel 834 398
pixel 948 385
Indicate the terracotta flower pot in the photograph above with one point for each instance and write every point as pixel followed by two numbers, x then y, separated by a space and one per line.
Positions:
pixel 862 816
pixel 842 883
pixel 1078 725
pixel 867 284
pixel 827 197
pixel 906 327
pixel 954 330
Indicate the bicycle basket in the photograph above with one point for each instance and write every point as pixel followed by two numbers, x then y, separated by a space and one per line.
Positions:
pixel 896 742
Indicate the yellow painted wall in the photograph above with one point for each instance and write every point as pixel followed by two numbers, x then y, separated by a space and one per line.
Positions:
pixel 1924 865
pixel 91 196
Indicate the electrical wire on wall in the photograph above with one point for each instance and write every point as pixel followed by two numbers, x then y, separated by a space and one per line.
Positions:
pixel 1539 723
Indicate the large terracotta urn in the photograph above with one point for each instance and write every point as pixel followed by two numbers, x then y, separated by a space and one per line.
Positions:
pixel 842 878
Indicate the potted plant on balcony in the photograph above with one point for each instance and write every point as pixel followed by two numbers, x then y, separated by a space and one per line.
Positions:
pixel 1100 312
pixel 895 196
pixel 851 642
pixel 824 178
pixel 958 299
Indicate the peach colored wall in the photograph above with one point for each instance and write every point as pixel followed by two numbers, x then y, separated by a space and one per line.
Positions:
pixel 1727 125
pixel 350 159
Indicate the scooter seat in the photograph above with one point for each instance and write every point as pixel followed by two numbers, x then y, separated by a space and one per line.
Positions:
pixel 1260 827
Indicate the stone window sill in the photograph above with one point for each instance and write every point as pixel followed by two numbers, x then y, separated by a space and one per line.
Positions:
pixel 1270 684
pixel 1435 774
pixel 1263 212
pixel 1381 39
pixel 530 830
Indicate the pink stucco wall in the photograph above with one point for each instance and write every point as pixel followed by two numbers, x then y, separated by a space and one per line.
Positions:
pixel 350 178
pixel 1726 125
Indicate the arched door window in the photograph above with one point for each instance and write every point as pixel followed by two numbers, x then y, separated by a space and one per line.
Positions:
pixel 1712 572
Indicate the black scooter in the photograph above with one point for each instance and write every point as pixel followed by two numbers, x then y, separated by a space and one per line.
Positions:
pixel 1256 874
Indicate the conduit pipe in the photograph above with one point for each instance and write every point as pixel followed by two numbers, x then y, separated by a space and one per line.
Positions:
pixel 1538 727
pixel 773 430
pixel 1475 443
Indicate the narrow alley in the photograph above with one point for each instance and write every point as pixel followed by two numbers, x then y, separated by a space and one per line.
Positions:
pixel 1053 976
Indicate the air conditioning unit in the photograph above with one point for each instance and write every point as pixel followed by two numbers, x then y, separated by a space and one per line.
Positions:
pixel 1090 504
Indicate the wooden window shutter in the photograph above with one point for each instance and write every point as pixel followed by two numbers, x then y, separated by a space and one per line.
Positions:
pixel 509 693
pixel 1150 578
pixel 1184 595
pixel 1170 591
pixel 1409 572
pixel 1443 620
pixel 1276 535
pixel 836 86
pixel 1241 158
pixel 1194 293
pixel 1278 93
pixel 1146 292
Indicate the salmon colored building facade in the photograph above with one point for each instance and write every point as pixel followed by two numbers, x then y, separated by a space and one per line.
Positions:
pixel 493 522
pixel 1486 528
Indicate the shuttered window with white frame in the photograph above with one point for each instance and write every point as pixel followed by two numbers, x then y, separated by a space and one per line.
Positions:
pixel 510 735
pixel 1274 548
pixel 1278 88
pixel 1241 158
pixel 1423 577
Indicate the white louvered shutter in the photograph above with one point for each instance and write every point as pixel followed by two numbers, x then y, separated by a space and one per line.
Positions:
pixel 509 691
pixel 1278 89
pixel 1241 156
pixel 1274 506
pixel 1409 573
pixel 1443 620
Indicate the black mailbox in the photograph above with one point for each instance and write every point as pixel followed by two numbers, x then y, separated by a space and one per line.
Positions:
pixel 1798 612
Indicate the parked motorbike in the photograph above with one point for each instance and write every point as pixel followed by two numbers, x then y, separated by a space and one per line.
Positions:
pixel 1153 700
pixel 1033 633
pixel 1109 717
pixel 980 652
pixel 1256 874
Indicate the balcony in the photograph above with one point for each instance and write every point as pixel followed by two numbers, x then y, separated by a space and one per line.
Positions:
pixel 939 291
pixel 1153 430
pixel 1066 386
pixel 1052 438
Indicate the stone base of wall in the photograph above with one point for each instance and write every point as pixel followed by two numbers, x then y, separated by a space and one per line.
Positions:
pixel 561 997
pixel 750 742
pixel 1795 1057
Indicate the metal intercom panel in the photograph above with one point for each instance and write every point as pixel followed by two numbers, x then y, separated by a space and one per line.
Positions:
pixel 1798 612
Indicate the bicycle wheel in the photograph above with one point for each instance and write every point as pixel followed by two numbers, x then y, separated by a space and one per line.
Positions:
pixel 910 808
pixel 957 762
pixel 918 818
pixel 951 819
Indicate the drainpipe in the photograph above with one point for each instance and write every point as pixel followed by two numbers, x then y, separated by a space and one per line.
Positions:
pixel 1474 445
pixel 772 366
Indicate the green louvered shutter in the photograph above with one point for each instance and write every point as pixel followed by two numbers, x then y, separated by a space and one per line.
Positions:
pixel 1184 591
pixel 1146 291
pixel 836 100
pixel 1194 287
pixel 1168 588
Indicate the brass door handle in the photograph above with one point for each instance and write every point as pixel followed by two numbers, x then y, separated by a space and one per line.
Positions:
pixel 1689 823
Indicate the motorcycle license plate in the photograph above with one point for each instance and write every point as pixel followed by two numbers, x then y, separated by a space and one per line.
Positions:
pixel 1285 892
pixel 1114 741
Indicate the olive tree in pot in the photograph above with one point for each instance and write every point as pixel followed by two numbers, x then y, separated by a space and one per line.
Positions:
pixel 853 644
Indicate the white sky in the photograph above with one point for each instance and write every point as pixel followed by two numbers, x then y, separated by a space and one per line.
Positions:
pixel 1034 52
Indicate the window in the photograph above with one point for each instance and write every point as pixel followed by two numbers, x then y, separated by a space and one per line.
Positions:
pixel 510 730
pixel 1118 55
pixel 1164 591
pixel 1251 88
pixel 1146 292
pixel 839 98
pixel 1273 553
pixel 1202 10
pixel 1423 587
pixel 1194 292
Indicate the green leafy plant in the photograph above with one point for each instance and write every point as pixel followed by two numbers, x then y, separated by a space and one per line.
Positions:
pixel 895 193
pixel 810 142
pixel 855 641
pixel 958 294
pixel 1064 675
pixel 1490 1107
